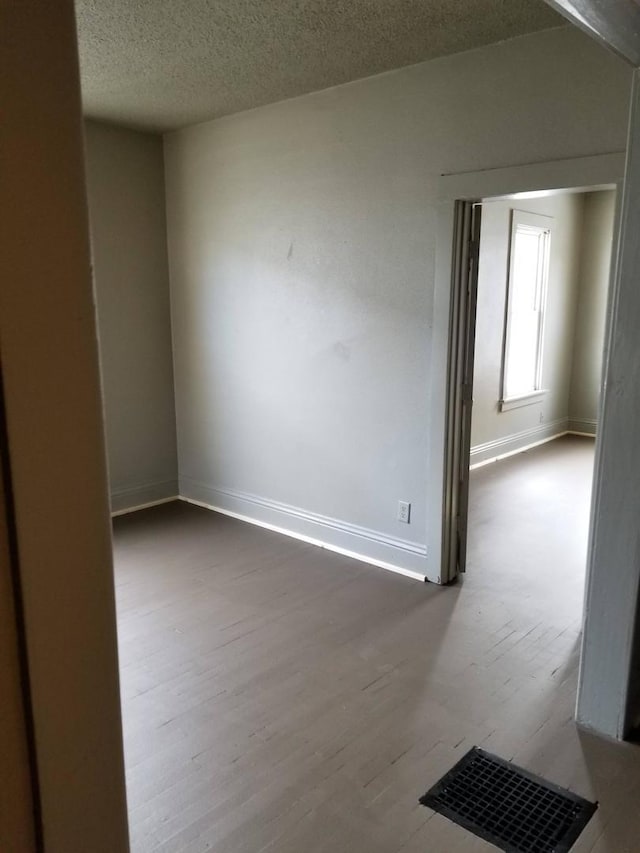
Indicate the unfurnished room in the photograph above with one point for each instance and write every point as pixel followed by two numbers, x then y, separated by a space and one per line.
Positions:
pixel 319 389
pixel 537 336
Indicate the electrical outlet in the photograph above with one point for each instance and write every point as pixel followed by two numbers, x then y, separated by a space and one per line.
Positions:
pixel 404 511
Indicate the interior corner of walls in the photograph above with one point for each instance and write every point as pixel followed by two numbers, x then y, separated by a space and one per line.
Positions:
pixel 583 426
pixel 126 200
pixel 379 549
pixel 142 494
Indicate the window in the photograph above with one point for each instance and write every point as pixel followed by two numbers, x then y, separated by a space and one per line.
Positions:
pixel 526 297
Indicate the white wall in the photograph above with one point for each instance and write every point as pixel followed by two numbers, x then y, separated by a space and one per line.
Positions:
pixel 609 679
pixel 125 186
pixel 302 241
pixel 494 432
pixel 595 269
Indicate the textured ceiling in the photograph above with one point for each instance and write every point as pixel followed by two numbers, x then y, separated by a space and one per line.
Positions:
pixel 163 64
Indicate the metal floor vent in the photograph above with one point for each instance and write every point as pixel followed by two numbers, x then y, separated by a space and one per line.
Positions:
pixel 508 806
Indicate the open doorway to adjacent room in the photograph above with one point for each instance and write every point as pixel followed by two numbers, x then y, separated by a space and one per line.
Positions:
pixel 543 272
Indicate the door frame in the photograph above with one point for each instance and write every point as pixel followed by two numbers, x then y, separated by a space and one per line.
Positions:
pixel 455 192
pixel 20 813
pixel 464 276
pixel 616 25
pixel 55 436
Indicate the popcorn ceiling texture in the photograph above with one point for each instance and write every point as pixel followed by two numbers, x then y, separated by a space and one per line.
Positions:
pixel 163 64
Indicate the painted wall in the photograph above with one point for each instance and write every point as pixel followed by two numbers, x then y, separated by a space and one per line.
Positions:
pixel 493 431
pixel 609 680
pixel 595 270
pixel 302 248
pixel 125 177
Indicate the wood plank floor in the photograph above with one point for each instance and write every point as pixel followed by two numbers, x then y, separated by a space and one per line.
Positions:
pixel 277 697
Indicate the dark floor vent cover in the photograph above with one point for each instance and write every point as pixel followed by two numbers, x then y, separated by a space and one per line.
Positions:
pixel 509 807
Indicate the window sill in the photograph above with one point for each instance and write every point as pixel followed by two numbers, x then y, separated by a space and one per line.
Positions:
pixel 522 400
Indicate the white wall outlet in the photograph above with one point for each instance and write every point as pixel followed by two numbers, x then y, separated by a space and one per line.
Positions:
pixel 404 511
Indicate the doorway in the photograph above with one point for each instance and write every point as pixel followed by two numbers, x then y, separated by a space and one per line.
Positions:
pixel 542 285
pixel 537 308
pixel 539 443
pixel 464 200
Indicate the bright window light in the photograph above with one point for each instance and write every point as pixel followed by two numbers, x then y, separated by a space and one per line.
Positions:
pixel 526 298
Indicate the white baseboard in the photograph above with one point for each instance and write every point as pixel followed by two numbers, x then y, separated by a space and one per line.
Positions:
pixel 143 495
pixel 360 543
pixel 582 426
pixel 501 448
pixel 145 506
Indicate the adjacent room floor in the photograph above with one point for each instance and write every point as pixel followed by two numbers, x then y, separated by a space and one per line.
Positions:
pixel 278 697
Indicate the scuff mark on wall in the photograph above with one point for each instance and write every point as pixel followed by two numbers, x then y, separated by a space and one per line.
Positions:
pixel 342 350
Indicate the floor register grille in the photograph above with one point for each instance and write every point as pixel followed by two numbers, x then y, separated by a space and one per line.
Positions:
pixel 511 808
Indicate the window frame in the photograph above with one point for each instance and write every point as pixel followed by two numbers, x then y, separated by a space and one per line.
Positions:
pixel 543 225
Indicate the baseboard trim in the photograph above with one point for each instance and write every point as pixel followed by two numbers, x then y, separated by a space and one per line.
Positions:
pixel 149 504
pixel 501 448
pixel 142 495
pixel 368 546
pixel 582 426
